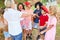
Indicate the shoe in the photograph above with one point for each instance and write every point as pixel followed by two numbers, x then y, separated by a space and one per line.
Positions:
pixel 38 37
pixel 27 36
pixel 30 37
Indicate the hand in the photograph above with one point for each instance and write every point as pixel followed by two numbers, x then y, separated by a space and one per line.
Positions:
pixel 42 32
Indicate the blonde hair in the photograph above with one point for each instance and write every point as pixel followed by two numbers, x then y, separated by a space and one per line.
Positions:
pixel 53 9
pixel 8 4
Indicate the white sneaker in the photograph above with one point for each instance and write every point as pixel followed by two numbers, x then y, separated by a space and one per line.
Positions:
pixel 40 39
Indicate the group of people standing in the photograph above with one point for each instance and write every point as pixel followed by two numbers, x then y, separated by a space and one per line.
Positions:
pixel 24 23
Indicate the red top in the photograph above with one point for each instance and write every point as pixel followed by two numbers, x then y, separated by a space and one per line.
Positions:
pixel 43 19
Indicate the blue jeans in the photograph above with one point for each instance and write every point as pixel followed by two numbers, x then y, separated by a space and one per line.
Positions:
pixel 6 34
pixel 17 37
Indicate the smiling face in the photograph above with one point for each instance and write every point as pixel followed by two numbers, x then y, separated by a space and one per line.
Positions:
pixel 20 7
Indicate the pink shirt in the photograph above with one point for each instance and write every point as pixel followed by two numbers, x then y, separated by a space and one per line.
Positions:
pixel 28 18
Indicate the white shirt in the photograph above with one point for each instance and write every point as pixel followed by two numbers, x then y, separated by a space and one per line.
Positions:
pixel 13 18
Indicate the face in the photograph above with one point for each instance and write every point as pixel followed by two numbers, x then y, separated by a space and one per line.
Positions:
pixel 38 7
pixel 20 7
pixel 43 12
pixel 29 6
pixel 51 10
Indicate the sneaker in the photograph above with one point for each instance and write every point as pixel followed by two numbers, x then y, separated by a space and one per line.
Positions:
pixel 38 37
pixel 27 37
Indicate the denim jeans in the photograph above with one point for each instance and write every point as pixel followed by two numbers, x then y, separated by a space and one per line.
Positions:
pixel 6 34
pixel 17 37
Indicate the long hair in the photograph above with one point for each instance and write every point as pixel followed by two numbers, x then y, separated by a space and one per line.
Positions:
pixel 54 10
pixel 22 6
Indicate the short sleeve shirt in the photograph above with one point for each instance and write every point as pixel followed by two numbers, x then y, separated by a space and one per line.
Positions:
pixel 13 18
pixel 36 20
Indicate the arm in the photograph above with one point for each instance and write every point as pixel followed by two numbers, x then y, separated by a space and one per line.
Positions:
pixel 5 22
pixel 5 25
pixel 37 15
pixel 53 24
pixel 47 29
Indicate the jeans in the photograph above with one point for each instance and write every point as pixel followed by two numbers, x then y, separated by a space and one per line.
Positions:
pixel 6 34
pixel 17 37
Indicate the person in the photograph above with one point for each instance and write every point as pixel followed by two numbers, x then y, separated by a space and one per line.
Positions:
pixel 28 21
pixel 12 18
pixel 4 26
pixel 43 19
pixel 37 11
pixel 51 28
pixel 12 1
pixel 21 8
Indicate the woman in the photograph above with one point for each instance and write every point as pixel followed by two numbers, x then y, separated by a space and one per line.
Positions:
pixel 13 18
pixel 21 8
pixel 51 28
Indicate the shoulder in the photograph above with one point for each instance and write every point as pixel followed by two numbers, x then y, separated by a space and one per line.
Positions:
pixel 46 15
pixel 19 12
pixel 54 18
pixel 35 10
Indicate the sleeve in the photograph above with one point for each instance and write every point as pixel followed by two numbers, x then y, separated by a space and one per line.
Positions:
pixel 20 14
pixel 5 15
pixel 39 17
pixel 54 21
pixel 34 11
pixel 46 18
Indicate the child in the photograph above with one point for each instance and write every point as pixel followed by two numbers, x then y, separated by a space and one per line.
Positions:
pixel 43 19
pixel 37 11
pixel 28 21
pixel 51 28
